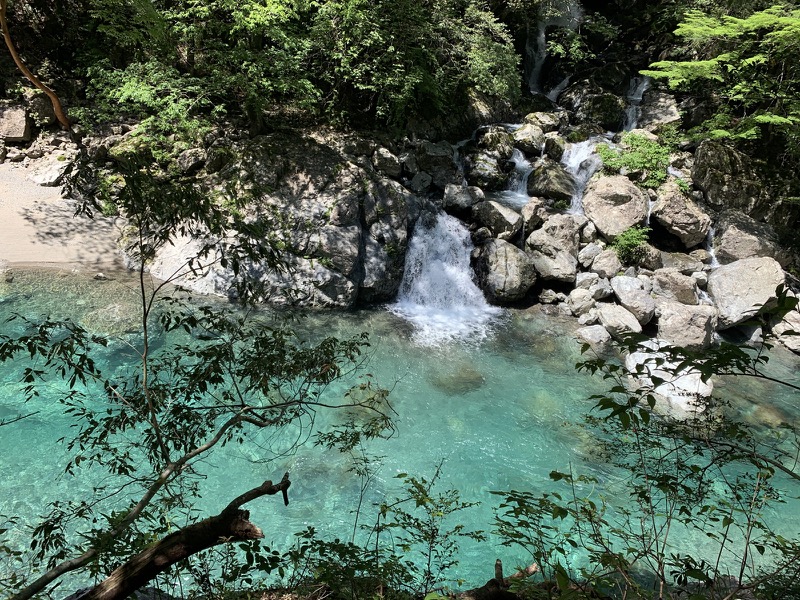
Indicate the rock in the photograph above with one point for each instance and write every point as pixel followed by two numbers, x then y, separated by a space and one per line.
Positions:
pixel 530 139
pixel 461 198
pixel 658 109
pixel 589 233
pixel 496 140
pixel 437 161
pixel 618 321
pixel 41 110
pixel 787 330
pixel 680 262
pixel 484 169
pixel 505 273
pixel 534 213
pixel 728 180
pixel 589 103
pixel 588 253
pixel 682 392
pixel 680 216
pixel 191 160
pixel 554 146
pixel 420 182
pixel 614 204
pixel 580 301
pixel 551 180
pixel 554 247
pixel 606 264
pixel 551 297
pixel 386 162
pixel 504 222
pixel 586 280
pixel 14 124
pixel 50 172
pixel 546 121
pixel 741 288
pixel 701 255
pixel 690 327
pixel 671 284
pixel 738 236
pixel 594 335
pixel 631 295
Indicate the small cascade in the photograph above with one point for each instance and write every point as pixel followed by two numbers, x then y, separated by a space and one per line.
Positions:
pixel 709 247
pixel 581 161
pixel 636 90
pixel 438 294
pixel 553 94
pixel 516 196
pixel 552 13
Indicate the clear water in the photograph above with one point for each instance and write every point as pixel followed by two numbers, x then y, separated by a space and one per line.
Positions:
pixel 502 411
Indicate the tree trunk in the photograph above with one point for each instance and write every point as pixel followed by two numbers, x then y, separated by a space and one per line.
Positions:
pixel 57 109
pixel 231 525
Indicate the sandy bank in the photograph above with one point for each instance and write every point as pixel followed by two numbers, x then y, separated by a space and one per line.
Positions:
pixel 38 226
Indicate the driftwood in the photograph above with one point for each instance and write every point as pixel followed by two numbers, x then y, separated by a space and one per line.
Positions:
pixel 231 525
pixel 497 587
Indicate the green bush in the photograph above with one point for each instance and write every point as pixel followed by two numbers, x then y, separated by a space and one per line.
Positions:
pixel 638 154
pixel 630 244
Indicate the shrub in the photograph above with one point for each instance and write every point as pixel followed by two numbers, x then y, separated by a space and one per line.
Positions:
pixel 639 154
pixel 630 244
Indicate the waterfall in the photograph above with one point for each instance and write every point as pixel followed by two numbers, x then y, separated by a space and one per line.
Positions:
pixel 438 295
pixel 709 247
pixel 552 13
pixel 638 86
pixel 581 161
pixel 516 195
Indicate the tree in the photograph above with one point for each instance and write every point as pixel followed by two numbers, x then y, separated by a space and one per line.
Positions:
pixel 751 62
pixel 57 109
pixel 238 375
pixel 706 474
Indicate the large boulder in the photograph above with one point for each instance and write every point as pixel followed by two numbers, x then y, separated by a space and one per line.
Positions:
pixel 503 222
pixel 741 288
pixel 461 198
pixel 554 247
pixel 680 216
pixel 606 264
pixel 551 180
pixel 589 103
pixel 657 109
pixel 631 294
pixel 437 161
pixel 387 163
pixel 14 124
pixel 737 236
pixel 727 179
pixel 617 320
pixel 530 139
pixel 672 285
pixel 505 273
pixel 614 204
pixel 580 301
pixel 690 327
pixel 50 171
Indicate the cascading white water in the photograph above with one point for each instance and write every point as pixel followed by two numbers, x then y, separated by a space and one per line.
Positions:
pixel 552 13
pixel 709 247
pixel 638 86
pixel 438 294
pixel 581 161
pixel 516 195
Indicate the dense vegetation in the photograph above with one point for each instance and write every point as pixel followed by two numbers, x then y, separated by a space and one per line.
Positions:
pixel 180 66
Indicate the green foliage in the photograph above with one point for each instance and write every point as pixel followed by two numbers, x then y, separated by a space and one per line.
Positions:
pixel 751 63
pixel 630 244
pixel 702 474
pixel 640 156
pixel 395 59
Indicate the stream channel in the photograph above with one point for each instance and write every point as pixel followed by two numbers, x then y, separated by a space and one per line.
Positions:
pixel 492 393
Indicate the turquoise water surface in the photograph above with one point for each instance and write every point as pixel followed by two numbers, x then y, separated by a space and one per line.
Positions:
pixel 501 413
